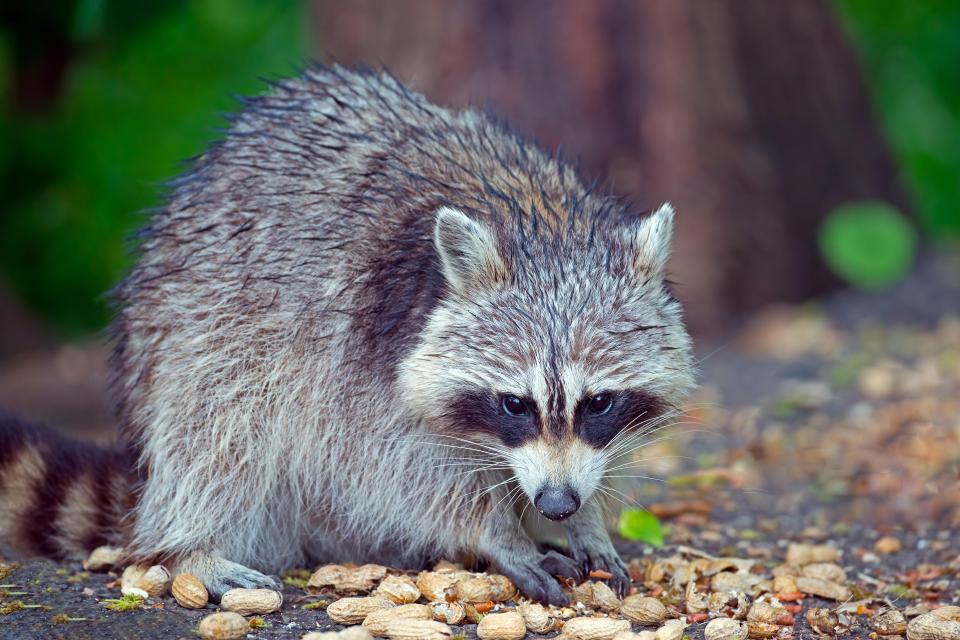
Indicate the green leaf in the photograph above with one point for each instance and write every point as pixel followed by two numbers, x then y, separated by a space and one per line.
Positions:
pixel 642 526
pixel 869 244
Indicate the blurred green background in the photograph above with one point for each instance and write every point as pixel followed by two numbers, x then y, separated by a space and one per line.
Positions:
pixel 117 94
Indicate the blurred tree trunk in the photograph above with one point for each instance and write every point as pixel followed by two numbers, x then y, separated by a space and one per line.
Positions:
pixel 750 116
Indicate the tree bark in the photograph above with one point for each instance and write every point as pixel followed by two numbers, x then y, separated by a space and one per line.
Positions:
pixel 750 116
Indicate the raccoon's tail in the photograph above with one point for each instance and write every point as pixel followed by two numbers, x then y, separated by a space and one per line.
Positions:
pixel 60 498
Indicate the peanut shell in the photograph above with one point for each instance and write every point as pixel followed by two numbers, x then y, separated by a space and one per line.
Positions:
pixel 643 609
pixel 398 589
pixel 593 628
pixel 354 610
pixel 725 629
pixel 449 612
pixel 418 630
pixel 536 617
pixel 376 621
pixel 189 592
pixel 225 625
pixel 251 602
pixel 502 626
pixel 155 581
pixel 350 633
pixel 103 559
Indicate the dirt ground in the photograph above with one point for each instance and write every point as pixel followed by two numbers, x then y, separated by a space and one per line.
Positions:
pixel 833 424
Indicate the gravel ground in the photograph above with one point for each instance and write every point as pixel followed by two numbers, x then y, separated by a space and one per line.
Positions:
pixel 836 424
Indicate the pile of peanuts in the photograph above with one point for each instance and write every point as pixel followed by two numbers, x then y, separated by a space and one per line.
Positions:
pixel 736 597
pixel 423 607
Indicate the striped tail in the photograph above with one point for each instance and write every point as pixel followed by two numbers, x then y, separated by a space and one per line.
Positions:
pixel 60 498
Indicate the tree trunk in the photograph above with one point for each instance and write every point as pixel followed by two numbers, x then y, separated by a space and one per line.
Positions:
pixel 750 116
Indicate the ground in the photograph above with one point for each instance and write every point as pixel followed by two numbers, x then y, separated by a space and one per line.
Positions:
pixel 835 423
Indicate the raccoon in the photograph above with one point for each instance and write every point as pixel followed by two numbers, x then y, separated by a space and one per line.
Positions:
pixel 365 328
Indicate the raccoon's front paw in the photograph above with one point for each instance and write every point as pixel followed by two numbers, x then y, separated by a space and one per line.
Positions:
pixel 537 583
pixel 557 564
pixel 607 560
pixel 219 575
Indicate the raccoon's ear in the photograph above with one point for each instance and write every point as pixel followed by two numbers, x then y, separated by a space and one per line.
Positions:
pixel 468 251
pixel 652 239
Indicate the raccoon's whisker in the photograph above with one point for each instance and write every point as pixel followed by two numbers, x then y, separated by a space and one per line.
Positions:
pixel 505 496
pixel 479 445
pixel 647 433
pixel 429 439
pixel 645 430
pixel 487 490
pixel 504 455
pixel 448 462
pixel 606 492
pixel 632 502
pixel 669 436
pixel 638 462
pixel 468 472
pixel 628 432
pixel 641 477
pixel 513 501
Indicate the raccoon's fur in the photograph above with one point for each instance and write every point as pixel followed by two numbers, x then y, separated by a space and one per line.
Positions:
pixel 367 328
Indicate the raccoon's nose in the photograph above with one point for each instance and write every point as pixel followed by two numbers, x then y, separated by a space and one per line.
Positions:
pixel 557 503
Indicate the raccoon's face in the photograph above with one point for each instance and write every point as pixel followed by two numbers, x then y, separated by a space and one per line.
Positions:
pixel 553 352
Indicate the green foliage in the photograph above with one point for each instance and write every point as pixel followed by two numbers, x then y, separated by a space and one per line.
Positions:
pixel 145 91
pixel 869 244
pixel 640 525
pixel 911 56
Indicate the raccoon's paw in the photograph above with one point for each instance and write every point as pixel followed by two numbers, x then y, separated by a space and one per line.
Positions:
pixel 219 575
pixel 607 560
pixel 536 582
pixel 557 564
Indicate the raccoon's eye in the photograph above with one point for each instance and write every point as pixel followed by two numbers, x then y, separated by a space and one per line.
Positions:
pixel 600 404
pixel 515 406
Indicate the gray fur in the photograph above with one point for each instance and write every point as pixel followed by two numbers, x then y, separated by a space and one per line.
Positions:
pixel 300 315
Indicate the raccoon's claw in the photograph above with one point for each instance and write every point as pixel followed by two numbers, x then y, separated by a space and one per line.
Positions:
pixel 609 562
pixel 219 575
pixel 557 564
pixel 538 584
